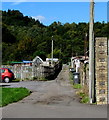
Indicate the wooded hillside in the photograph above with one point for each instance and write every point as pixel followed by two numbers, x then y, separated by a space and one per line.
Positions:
pixel 24 37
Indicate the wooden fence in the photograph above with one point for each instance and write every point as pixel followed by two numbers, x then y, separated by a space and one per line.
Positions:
pixel 84 74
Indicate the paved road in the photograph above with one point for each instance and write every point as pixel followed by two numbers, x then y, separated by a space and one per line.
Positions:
pixel 52 99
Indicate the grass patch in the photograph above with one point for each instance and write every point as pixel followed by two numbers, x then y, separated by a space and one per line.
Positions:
pixel 10 95
pixel 77 86
pixel 83 94
pixel 16 80
pixel 83 97
pixel 42 79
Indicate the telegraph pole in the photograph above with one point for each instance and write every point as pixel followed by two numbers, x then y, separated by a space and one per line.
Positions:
pixel 52 52
pixel 85 46
pixel 91 53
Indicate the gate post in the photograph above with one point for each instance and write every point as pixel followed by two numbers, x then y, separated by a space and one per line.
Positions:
pixel 101 69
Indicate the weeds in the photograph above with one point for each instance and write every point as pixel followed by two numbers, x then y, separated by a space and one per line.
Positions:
pixel 77 86
pixel 83 94
pixel 82 91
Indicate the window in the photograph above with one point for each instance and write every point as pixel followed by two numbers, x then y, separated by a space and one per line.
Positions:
pixel 9 70
pixel 2 71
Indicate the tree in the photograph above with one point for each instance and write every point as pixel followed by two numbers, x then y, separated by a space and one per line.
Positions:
pixel 24 37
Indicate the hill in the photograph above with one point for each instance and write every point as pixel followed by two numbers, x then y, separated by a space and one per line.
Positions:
pixel 24 37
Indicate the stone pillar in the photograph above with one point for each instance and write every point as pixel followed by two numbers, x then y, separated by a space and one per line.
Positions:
pixel 101 70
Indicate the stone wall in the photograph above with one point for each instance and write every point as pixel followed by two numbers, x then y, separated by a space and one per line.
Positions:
pixel 31 72
pixel 101 70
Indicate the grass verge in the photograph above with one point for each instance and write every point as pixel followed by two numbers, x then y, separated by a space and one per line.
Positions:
pixel 16 80
pixel 82 91
pixel 83 94
pixel 83 97
pixel 10 95
pixel 77 86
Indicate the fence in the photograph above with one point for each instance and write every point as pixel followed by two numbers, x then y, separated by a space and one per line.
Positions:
pixel 34 71
pixel 20 71
pixel 84 74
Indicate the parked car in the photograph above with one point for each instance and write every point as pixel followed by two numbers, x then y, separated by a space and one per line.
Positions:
pixel 6 75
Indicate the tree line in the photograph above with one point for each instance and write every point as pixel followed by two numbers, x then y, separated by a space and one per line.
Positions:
pixel 23 37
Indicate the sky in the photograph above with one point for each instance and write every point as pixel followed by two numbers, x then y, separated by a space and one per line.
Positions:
pixel 64 12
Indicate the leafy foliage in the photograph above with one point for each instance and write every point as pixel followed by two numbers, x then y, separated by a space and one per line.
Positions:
pixel 24 37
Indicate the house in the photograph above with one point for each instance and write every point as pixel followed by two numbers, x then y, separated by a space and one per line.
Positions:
pixel 37 60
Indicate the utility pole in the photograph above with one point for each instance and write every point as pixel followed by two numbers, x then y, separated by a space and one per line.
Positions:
pixel 60 51
pixel 91 53
pixel 85 46
pixel 52 51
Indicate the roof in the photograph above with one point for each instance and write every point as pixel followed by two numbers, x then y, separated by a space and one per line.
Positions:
pixel 25 61
pixel 14 62
pixel 38 59
pixel 50 59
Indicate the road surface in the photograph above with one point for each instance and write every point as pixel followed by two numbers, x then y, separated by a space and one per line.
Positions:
pixel 52 99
